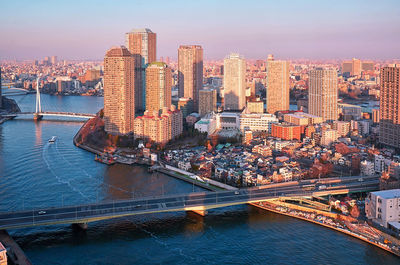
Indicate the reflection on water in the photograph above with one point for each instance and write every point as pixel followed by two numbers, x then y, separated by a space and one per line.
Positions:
pixel 38 134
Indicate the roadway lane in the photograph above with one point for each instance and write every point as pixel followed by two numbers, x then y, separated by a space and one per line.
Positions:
pixel 92 212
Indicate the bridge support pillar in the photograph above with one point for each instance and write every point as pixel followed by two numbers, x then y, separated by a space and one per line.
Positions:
pixel 200 212
pixel 37 117
pixel 82 226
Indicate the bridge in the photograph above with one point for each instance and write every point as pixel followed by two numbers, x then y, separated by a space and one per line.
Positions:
pixel 38 114
pixel 8 84
pixel 60 114
pixel 197 202
pixel 19 91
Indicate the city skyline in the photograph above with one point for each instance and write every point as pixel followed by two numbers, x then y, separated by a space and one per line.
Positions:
pixel 311 29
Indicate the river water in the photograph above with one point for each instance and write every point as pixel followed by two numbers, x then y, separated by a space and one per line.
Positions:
pixel 34 174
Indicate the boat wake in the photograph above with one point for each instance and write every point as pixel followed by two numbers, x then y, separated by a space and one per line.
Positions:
pixel 59 179
pixel 101 183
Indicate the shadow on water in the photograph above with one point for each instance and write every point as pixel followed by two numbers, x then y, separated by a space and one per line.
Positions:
pixel 139 227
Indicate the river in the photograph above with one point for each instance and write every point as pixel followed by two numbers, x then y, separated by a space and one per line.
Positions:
pixel 34 174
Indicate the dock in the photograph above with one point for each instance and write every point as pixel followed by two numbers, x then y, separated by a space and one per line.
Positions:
pixel 14 253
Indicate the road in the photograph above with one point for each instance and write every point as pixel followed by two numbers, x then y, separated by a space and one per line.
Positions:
pixel 203 200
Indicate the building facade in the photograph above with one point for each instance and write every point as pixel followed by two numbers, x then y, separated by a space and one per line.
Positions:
pixel 257 122
pixel 159 127
pixel 207 101
pixel 119 91
pixel 158 86
pixel 328 137
pixel 234 82
pixel 286 131
pixel 383 207
pixel 323 94
pixel 255 106
pixel 190 72
pixel 142 44
pixel 389 124
pixel 277 86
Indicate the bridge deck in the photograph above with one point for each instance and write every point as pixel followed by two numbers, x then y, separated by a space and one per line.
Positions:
pixel 60 114
pixel 189 202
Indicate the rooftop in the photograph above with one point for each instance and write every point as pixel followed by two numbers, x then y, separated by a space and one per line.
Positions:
pixel 118 51
pixel 388 194
pixel 159 64
pixel 144 30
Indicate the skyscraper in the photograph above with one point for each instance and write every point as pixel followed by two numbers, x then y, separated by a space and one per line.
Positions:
pixel 389 125
pixel 234 82
pixel 142 44
pixel 207 101
pixel 53 60
pixel 190 72
pixel 119 92
pixel 356 67
pixel 158 87
pixel 323 93
pixel 277 85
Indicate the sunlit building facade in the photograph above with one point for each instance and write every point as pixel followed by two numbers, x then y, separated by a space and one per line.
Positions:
pixel 234 82
pixel 142 44
pixel 323 93
pixel 119 91
pixel 277 86
pixel 190 72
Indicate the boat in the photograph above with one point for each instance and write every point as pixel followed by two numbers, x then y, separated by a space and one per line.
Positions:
pixel 52 139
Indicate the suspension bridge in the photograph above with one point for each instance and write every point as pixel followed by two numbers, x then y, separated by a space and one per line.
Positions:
pixel 38 113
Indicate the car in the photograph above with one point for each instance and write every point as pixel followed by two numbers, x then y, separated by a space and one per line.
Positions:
pixel 237 192
pixel 42 212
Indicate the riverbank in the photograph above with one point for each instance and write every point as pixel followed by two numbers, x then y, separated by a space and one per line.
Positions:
pixel 329 222
pixel 9 107
pixel 14 253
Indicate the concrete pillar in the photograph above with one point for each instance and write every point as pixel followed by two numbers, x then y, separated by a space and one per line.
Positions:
pixel 82 226
pixel 200 212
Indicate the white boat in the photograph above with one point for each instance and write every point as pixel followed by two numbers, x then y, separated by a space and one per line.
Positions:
pixel 53 139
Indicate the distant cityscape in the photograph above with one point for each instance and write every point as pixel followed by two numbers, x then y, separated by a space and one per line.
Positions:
pixel 241 123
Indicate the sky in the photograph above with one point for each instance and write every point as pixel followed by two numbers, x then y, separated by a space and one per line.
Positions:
pixel 320 29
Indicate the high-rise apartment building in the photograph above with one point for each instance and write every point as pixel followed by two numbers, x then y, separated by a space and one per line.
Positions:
pixel 347 67
pixel 323 93
pixel 234 82
pixel 356 66
pixel 389 124
pixel 367 66
pixel 277 85
pixel 159 127
pixel 53 60
pixel 190 72
pixel 158 86
pixel 142 44
pixel 119 91
pixel 207 101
